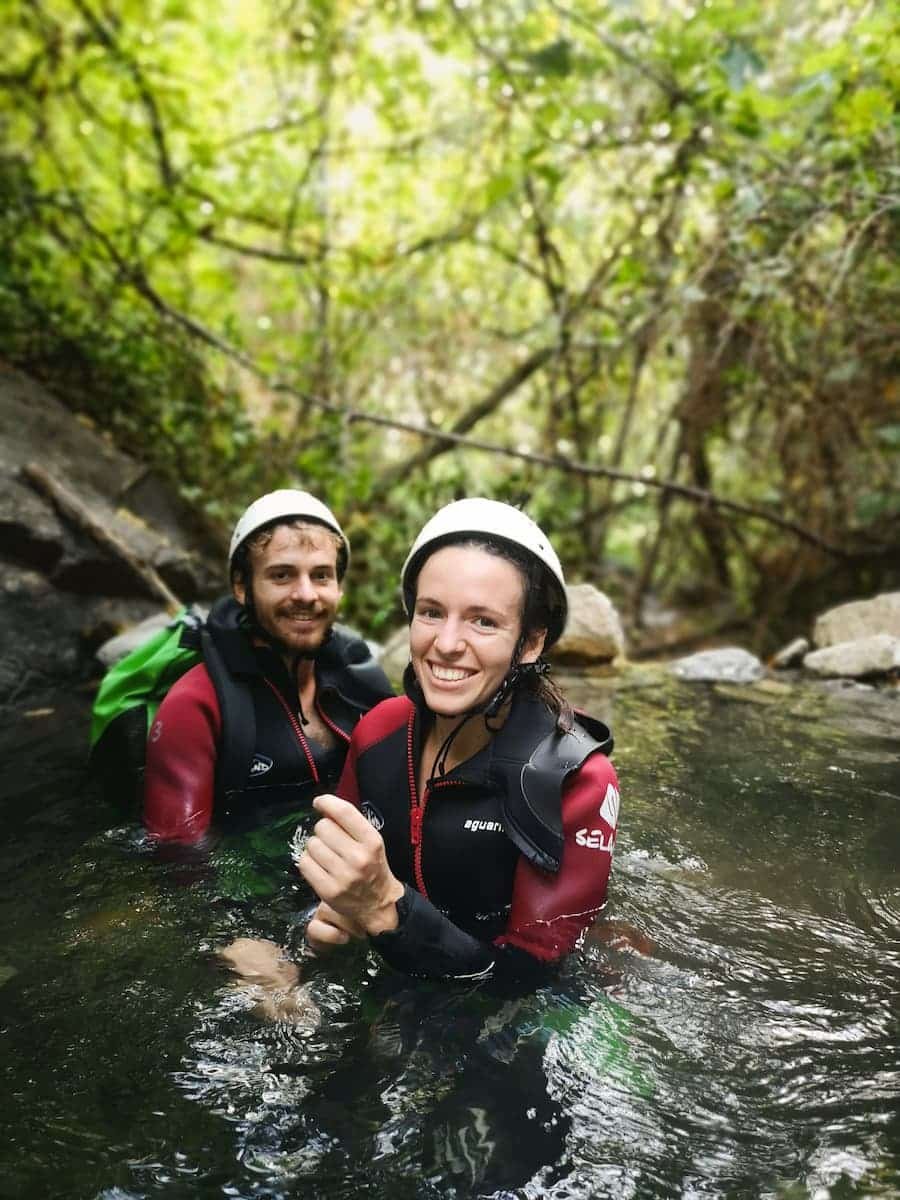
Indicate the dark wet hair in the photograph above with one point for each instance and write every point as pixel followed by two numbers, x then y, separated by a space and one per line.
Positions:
pixel 541 610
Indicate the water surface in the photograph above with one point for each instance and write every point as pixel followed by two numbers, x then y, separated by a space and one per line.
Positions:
pixel 730 1029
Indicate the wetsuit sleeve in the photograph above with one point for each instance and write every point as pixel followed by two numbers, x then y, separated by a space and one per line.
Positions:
pixel 550 911
pixel 348 786
pixel 179 784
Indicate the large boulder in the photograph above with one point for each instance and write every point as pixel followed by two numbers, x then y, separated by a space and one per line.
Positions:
pixel 728 664
pixel 594 630
pixel 859 619
pixel 49 634
pixel 62 592
pixel 856 658
pixel 394 655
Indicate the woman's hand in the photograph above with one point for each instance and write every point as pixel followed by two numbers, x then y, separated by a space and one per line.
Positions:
pixel 345 864
pixel 327 929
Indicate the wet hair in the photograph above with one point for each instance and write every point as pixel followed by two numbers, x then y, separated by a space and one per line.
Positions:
pixel 242 560
pixel 541 610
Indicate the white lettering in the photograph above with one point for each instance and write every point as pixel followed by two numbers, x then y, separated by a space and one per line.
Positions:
pixel 596 839
pixel 373 816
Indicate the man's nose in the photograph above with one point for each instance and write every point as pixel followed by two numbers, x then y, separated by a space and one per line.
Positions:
pixel 303 589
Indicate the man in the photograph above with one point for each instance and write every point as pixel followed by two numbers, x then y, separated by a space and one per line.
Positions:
pixel 262 725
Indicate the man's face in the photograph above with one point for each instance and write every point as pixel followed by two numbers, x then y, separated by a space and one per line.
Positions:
pixel 295 587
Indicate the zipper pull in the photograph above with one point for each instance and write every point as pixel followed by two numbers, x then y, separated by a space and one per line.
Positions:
pixel 415 825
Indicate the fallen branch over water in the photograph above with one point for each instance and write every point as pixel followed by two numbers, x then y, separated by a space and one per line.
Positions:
pixel 74 510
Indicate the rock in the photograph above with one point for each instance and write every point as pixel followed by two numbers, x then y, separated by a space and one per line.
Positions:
pixel 730 664
pixel 29 530
pixel 859 619
pixel 593 632
pixel 791 655
pixel 46 644
pixel 395 655
pixel 874 655
pixel 61 593
pixel 123 643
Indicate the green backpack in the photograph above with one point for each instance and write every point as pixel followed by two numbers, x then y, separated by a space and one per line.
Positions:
pixel 133 689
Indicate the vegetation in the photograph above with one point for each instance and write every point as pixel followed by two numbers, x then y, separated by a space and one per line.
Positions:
pixel 634 265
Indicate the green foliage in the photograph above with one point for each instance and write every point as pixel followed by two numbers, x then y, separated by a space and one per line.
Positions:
pixel 233 235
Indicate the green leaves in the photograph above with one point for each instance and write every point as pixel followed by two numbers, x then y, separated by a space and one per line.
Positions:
pixel 553 59
pixel 390 209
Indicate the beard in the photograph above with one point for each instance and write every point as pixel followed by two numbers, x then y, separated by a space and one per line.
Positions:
pixel 297 644
pixel 303 643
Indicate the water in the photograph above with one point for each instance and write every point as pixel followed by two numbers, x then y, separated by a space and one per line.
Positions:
pixel 731 1029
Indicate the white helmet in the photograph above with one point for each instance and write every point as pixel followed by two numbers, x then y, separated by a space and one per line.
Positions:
pixel 287 504
pixel 477 517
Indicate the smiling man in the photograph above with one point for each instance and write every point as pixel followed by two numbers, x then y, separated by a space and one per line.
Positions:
pixel 276 675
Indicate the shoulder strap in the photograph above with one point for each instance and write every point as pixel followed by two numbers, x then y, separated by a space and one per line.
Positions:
pixel 534 769
pixel 346 664
pixel 238 738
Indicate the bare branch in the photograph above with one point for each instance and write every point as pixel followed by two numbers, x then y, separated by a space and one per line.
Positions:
pixel 166 170
pixel 134 275
pixel 279 256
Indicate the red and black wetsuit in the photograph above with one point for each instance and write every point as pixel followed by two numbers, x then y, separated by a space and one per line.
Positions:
pixel 284 768
pixel 506 858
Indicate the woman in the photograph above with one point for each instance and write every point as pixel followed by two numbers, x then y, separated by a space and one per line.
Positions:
pixel 475 819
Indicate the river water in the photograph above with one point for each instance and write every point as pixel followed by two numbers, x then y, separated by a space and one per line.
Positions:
pixel 731 1028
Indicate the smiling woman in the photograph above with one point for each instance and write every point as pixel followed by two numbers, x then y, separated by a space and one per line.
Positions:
pixel 473 828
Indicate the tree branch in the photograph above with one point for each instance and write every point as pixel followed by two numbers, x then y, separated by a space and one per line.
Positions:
pixel 166 170
pixel 445 439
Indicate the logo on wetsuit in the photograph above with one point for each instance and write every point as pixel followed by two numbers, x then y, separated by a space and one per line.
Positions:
pixel 598 839
pixel 372 815
pixel 489 826
pixel 260 764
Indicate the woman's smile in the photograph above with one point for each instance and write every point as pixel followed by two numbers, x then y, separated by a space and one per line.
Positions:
pixel 446 674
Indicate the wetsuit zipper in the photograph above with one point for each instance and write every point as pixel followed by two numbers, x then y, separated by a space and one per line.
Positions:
pixel 416 808
pixel 331 725
pixel 295 725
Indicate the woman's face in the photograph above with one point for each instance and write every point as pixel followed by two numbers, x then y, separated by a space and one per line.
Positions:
pixel 466 622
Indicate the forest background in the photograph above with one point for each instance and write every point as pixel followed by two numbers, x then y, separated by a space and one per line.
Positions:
pixel 633 265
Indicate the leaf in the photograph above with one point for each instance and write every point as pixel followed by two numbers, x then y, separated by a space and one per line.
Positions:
pixel 499 187
pixel 843 372
pixel 740 63
pixel 552 59
pixel 864 111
